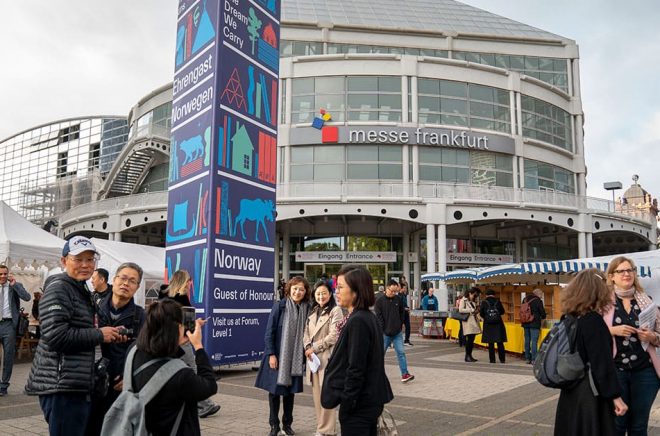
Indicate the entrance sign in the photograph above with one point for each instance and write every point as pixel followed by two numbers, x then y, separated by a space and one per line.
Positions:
pixel 479 258
pixel 221 201
pixel 346 256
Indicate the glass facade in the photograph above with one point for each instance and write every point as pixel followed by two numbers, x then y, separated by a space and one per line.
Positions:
pixel 465 167
pixel 540 175
pixel 546 122
pixel 50 169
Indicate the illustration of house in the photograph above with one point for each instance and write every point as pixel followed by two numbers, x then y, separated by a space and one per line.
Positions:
pixel 242 150
pixel 268 47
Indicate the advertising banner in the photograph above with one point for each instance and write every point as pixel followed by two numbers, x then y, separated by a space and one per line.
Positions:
pixel 221 203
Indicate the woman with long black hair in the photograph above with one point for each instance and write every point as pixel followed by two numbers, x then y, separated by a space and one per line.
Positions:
pixel 471 327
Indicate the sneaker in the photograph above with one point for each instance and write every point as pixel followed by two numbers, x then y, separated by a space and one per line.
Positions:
pixel 3 392
pixel 210 411
pixel 405 378
pixel 408 344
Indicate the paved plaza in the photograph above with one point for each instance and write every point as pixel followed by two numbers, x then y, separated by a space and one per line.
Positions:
pixel 447 397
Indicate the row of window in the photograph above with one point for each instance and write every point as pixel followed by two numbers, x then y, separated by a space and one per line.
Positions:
pixel 161 117
pixel 444 102
pixel 385 162
pixel 550 70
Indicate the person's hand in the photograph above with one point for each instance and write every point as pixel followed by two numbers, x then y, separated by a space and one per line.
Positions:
pixel 119 384
pixel 620 408
pixel 309 352
pixel 623 330
pixel 11 279
pixel 646 335
pixel 110 334
pixel 272 361
pixel 195 337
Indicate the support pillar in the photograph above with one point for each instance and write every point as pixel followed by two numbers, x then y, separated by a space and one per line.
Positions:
pixel 442 248
pixel 406 250
pixel 518 257
pixel 582 245
pixel 417 269
pixel 430 248
pixel 286 257
pixel 590 244
pixel 276 270
pixel 117 237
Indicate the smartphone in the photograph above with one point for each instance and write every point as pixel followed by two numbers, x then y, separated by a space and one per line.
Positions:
pixel 188 318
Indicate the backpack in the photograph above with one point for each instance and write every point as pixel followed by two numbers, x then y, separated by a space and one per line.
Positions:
pixel 558 364
pixel 526 315
pixel 492 315
pixel 127 414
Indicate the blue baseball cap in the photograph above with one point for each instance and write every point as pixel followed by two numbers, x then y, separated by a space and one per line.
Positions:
pixel 77 245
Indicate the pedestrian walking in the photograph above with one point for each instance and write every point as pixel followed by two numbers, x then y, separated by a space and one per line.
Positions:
pixel 461 337
pixel 403 294
pixel 491 311
pixel 471 327
pixel 579 411
pixel 11 292
pixel 534 305
pixel 283 364
pixel 389 312
pixel 62 368
pixel 637 369
pixel 355 375
pixel 319 339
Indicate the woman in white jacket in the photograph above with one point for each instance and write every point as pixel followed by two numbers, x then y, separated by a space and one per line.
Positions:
pixel 320 337
pixel 471 327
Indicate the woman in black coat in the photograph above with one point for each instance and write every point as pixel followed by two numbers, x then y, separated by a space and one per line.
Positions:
pixel 283 363
pixel 579 411
pixel 355 375
pixel 491 311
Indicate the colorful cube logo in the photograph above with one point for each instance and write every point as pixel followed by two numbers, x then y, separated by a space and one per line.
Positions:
pixel 329 134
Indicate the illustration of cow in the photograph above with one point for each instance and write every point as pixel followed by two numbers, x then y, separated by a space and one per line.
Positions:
pixel 193 148
pixel 256 210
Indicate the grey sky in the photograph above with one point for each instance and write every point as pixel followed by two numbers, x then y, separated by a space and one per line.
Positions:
pixel 65 58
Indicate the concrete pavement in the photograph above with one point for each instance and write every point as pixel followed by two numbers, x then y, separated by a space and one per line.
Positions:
pixel 447 397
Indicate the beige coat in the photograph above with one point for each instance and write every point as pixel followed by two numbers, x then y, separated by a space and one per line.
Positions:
pixel 471 326
pixel 321 335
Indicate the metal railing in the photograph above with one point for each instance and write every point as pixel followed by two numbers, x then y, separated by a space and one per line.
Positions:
pixel 136 202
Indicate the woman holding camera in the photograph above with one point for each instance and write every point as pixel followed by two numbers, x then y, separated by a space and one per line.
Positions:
pixel 283 363
pixel 319 339
pixel 355 376
pixel 161 338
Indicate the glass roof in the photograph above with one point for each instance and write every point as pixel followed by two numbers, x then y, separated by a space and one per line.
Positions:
pixel 427 15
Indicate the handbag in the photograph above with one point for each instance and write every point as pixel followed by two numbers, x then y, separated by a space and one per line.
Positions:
pixel 23 325
pixel 455 314
pixel 385 428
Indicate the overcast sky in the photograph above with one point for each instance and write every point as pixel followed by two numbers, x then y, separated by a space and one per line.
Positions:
pixel 66 58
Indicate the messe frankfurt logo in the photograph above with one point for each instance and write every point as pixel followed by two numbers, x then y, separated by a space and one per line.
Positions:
pixel 329 134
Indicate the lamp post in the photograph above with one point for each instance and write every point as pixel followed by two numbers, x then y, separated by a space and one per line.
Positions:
pixel 612 186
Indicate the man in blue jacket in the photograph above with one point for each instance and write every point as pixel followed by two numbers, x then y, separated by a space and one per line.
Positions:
pixel 430 301
pixel 10 292
pixel 62 371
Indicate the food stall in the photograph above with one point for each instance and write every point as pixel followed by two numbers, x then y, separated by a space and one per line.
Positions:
pixel 512 282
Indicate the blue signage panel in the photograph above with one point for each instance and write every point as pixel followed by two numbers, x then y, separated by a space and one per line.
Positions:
pixel 223 168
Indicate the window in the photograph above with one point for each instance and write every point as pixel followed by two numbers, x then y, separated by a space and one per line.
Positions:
pixel 374 98
pixel 467 167
pixel 94 155
pixel 309 95
pixel 246 162
pixel 546 122
pixel 540 175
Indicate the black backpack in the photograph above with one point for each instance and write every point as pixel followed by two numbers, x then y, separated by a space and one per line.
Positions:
pixel 492 315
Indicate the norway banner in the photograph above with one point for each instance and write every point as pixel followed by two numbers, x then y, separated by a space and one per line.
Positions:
pixel 223 169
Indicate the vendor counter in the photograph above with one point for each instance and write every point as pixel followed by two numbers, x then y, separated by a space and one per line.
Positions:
pixel 514 333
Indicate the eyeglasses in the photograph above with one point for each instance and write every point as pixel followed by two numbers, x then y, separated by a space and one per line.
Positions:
pixel 130 280
pixel 79 261
pixel 625 271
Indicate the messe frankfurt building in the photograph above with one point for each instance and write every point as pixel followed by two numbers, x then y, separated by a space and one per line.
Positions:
pixel 429 139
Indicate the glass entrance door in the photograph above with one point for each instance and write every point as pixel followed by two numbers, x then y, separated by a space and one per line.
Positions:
pixel 378 272
pixel 313 272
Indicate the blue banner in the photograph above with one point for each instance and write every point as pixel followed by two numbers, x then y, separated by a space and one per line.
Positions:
pixel 223 168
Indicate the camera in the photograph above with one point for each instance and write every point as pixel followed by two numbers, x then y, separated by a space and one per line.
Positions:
pixel 125 332
pixel 188 314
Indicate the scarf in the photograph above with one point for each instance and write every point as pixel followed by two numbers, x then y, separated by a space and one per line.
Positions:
pixel 624 293
pixel 292 354
pixel 342 323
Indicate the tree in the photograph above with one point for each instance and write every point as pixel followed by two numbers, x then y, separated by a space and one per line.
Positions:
pixel 253 27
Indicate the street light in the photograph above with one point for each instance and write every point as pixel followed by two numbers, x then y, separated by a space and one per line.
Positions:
pixel 612 186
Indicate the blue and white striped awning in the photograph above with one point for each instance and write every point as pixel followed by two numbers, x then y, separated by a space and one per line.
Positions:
pixel 572 267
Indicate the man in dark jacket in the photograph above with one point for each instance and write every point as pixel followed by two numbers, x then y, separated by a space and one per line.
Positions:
pixel 10 292
pixel 63 366
pixel 390 313
pixel 533 329
pixel 117 309
pixel 101 284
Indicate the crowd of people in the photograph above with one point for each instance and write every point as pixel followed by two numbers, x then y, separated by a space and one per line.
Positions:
pixel 332 336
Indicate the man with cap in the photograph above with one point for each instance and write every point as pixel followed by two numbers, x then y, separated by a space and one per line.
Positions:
pixel 10 292
pixel 63 366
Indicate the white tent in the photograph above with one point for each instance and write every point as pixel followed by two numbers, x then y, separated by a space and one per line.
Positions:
pixel 150 259
pixel 25 244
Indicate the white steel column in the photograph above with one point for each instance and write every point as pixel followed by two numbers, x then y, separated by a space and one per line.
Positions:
pixel 582 245
pixel 406 249
pixel 430 248
pixel 286 258
pixel 590 244
pixel 417 267
pixel 442 248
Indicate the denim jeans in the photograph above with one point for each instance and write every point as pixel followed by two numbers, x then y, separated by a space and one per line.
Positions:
pixel 397 341
pixel 66 413
pixel 531 342
pixel 638 391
